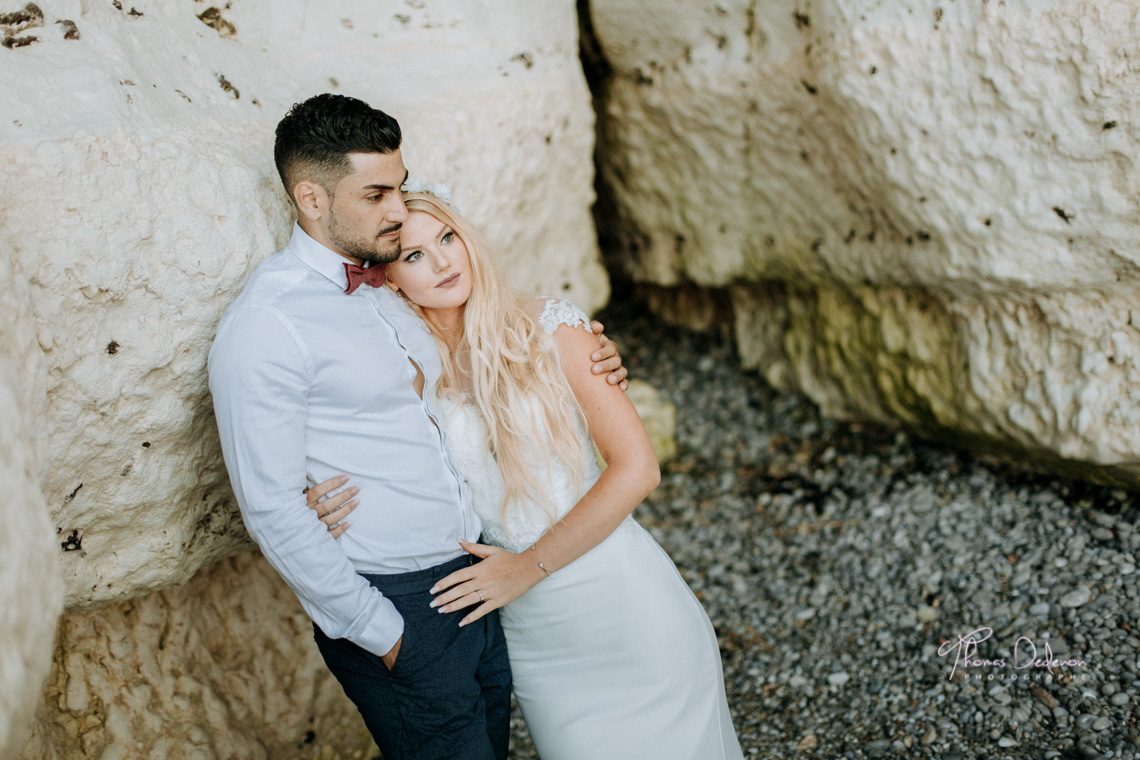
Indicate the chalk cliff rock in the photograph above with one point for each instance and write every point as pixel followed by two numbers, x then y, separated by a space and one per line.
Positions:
pixel 139 194
pixel 32 595
pixel 925 213
pixel 223 666
pixel 659 417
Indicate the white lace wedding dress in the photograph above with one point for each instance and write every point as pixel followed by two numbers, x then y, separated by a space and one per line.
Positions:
pixel 612 656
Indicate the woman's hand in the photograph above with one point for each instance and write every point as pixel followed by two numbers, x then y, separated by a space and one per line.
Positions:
pixel 500 578
pixel 335 508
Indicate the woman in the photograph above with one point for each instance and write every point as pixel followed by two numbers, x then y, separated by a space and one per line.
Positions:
pixel 611 654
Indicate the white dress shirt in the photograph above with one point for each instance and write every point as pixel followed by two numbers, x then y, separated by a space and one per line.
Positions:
pixel 310 383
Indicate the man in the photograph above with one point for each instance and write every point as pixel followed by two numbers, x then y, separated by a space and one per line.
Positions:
pixel 316 370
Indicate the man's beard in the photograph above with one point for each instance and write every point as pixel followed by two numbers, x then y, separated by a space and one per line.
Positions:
pixel 360 247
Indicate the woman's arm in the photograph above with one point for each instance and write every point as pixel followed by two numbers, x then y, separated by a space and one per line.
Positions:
pixel 631 470
pixel 631 473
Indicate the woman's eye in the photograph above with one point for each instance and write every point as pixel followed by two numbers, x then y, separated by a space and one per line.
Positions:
pixel 447 238
pixel 414 255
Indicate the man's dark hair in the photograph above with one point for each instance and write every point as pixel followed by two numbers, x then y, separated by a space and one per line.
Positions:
pixel 316 136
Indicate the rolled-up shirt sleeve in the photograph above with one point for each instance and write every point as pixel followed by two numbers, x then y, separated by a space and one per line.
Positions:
pixel 259 374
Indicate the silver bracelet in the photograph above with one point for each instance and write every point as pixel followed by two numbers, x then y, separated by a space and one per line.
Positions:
pixel 541 564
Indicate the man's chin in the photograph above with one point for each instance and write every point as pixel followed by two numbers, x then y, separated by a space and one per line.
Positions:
pixel 386 257
pixel 389 253
pixel 373 256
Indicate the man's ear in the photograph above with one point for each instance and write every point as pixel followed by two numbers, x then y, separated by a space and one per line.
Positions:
pixel 312 199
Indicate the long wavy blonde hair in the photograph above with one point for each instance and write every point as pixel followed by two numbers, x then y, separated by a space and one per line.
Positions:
pixel 514 373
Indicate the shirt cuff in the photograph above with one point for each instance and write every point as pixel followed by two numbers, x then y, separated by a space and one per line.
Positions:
pixel 382 631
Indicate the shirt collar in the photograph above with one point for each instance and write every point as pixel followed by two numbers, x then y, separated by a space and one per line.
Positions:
pixel 319 257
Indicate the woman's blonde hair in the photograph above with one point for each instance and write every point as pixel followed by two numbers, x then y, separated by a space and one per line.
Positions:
pixel 515 373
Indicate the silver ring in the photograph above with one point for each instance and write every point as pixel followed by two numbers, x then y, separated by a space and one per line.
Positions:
pixel 480 593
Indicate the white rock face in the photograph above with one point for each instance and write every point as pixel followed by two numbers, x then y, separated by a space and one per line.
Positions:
pixel 140 193
pixel 31 596
pixel 659 417
pixel 923 213
pixel 223 666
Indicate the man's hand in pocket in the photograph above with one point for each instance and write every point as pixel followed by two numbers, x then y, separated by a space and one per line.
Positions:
pixel 389 659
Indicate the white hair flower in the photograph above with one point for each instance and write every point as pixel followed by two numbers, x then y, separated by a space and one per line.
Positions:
pixel 438 189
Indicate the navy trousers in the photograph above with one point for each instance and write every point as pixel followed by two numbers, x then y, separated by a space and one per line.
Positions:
pixel 449 693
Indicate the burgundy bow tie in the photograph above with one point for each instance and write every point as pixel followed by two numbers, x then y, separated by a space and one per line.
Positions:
pixel 373 275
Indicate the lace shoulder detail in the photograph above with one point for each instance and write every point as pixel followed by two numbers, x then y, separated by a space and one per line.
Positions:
pixel 559 312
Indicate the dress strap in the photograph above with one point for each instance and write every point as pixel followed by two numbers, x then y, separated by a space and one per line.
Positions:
pixel 559 312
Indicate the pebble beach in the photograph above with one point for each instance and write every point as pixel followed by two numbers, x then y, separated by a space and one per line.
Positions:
pixel 876 595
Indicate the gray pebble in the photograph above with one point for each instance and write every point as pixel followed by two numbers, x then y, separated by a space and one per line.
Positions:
pixel 1077 597
pixel 877 748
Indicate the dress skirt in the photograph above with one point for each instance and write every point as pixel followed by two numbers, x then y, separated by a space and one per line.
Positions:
pixel 614 657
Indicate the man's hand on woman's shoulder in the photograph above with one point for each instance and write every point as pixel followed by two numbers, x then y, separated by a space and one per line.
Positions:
pixel 607 358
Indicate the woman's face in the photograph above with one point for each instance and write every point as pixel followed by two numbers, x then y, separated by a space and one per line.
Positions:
pixel 433 270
